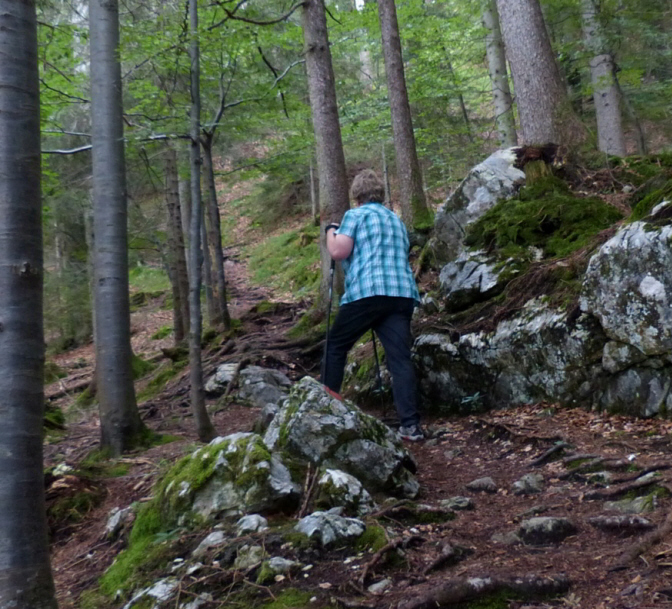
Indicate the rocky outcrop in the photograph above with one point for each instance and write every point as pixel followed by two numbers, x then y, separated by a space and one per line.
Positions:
pixel 616 355
pixel 494 179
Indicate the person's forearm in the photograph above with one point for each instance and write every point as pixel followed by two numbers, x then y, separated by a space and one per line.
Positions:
pixel 338 246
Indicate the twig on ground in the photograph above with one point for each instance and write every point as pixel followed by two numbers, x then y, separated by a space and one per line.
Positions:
pixel 393 545
pixel 545 456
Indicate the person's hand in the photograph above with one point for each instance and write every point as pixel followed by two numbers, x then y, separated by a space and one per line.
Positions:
pixel 328 227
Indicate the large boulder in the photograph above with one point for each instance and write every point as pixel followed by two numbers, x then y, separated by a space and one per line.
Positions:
pixel 260 386
pixel 233 475
pixel 628 287
pixel 494 179
pixel 315 426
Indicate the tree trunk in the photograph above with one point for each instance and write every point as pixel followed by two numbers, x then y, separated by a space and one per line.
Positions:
pixel 215 235
pixel 415 213
pixel 605 91
pixel 501 93
pixel 386 178
pixel 120 424
pixel 176 258
pixel 314 200
pixel 210 303
pixel 184 188
pixel 24 549
pixel 204 428
pixel 334 201
pixel 543 105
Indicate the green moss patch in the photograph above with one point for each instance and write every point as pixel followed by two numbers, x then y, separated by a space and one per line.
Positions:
pixel 158 382
pixel 545 215
pixel 373 539
pixel 290 261
pixel 162 332
pixel 140 367
pixel 656 191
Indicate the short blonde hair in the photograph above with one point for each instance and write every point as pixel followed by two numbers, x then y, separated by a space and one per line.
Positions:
pixel 367 188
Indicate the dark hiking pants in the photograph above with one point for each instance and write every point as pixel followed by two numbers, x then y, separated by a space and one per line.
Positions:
pixel 390 318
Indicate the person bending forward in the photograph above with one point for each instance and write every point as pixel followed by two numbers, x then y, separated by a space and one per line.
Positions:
pixel 380 294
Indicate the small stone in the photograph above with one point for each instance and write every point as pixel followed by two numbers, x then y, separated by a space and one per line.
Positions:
pixel 638 505
pixel 118 519
pixel 248 556
pixel 380 587
pixel 456 504
pixel 529 484
pixel 545 529
pixel 213 540
pixel 483 485
pixel 452 453
pixel 506 539
pixel 329 528
pixel 602 478
pixel 251 523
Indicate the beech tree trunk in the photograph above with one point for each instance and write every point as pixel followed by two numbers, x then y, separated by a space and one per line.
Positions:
pixel 204 428
pixel 605 90
pixel 215 236
pixel 176 258
pixel 501 92
pixel 334 200
pixel 120 424
pixel 415 213
pixel 210 304
pixel 25 574
pixel 544 110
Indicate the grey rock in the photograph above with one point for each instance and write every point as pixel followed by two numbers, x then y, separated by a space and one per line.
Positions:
pixel 266 415
pixel 545 529
pixel 263 386
pixel 494 179
pixel 160 592
pixel 628 286
pixel 456 504
pixel 468 279
pixel 314 426
pixel 638 505
pixel 338 488
pixel 117 521
pixel 601 478
pixel 329 528
pixel 218 382
pixel 248 556
pixel 618 356
pixel 380 587
pixel 429 304
pixel 529 484
pixel 251 523
pixel 506 539
pixel 213 540
pixel 641 392
pixel 281 566
pixel 483 485
pixel 622 523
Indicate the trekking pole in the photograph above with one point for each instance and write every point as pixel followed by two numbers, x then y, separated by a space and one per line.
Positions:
pixel 379 380
pixel 326 340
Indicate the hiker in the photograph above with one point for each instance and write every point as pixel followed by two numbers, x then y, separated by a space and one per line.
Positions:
pixel 380 294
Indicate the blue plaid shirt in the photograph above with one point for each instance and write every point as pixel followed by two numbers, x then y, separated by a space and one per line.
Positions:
pixel 378 264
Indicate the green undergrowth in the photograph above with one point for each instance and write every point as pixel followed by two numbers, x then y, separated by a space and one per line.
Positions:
pixel 148 279
pixel 162 332
pixel 140 367
pixel 54 419
pixel 373 539
pixel 656 191
pixel 163 374
pixel 53 372
pixel 290 261
pixel 311 325
pixel 545 215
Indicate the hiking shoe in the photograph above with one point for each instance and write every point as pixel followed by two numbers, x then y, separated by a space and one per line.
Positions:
pixel 413 433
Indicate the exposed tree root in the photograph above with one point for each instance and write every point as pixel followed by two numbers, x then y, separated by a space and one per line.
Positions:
pixel 460 590
pixel 391 546
pixel 449 555
pixel 611 493
pixel 550 453
pixel 644 544
pixel 519 434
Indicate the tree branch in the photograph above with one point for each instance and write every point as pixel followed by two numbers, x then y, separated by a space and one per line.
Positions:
pixel 232 15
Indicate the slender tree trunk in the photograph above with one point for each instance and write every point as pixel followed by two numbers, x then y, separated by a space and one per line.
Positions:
pixel 210 302
pixel 215 234
pixel 184 187
pixel 605 90
pixel 386 178
pixel 120 424
pixel 545 112
pixel 334 201
pixel 25 574
pixel 414 210
pixel 176 258
pixel 204 428
pixel 460 98
pixel 501 92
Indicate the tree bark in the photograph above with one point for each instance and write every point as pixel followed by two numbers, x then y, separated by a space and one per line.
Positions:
pixel 204 428
pixel 120 424
pixel 545 113
pixel 606 95
pixel 334 201
pixel 210 303
pixel 24 550
pixel 215 235
pixel 501 92
pixel 415 213
pixel 176 258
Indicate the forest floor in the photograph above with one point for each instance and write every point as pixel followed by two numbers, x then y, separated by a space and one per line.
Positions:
pixel 605 569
